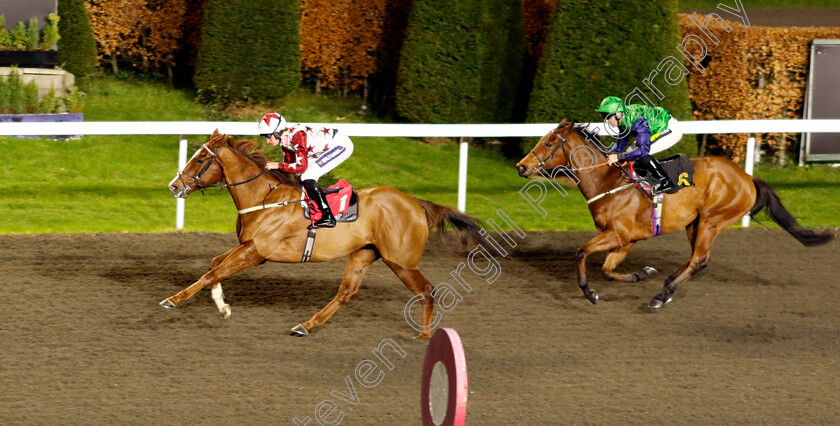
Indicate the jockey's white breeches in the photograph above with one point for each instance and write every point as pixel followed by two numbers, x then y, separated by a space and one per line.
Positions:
pixel 341 149
pixel 667 138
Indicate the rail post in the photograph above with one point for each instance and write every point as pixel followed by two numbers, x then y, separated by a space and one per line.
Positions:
pixel 748 167
pixel 180 203
pixel 462 176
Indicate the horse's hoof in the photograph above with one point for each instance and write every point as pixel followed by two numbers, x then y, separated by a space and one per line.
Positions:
pixel 655 303
pixel 592 296
pixel 225 312
pixel 167 304
pixel 422 336
pixel 299 331
pixel 649 271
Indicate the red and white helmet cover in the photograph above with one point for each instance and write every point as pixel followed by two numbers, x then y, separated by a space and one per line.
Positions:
pixel 271 123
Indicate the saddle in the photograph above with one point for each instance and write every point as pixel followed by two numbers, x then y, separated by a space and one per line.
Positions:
pixel 678 168
pixel 343 201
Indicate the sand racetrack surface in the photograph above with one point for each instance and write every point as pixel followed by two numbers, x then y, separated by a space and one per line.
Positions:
pixel 752 339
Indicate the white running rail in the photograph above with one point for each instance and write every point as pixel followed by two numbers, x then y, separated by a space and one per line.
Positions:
pixel 183 128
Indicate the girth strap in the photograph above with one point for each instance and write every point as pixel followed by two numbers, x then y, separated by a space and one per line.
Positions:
pixel 309 246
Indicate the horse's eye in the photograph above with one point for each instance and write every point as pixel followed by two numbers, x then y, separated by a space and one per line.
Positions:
pixel 548 144
pixel 199 161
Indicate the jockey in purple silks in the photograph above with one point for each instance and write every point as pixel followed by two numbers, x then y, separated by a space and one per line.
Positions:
pixel 649 125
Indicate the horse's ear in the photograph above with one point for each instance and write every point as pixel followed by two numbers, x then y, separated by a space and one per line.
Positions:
pixel 563 124
pixel 215 134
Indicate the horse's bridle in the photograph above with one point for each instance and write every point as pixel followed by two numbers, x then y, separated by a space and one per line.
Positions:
pixel 206 166
pixel 562 144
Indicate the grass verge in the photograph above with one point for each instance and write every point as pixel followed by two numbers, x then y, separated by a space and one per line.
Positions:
pixel 119 183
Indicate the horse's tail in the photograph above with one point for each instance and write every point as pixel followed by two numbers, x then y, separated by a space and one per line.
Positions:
pixel 439 217
pixel 766 198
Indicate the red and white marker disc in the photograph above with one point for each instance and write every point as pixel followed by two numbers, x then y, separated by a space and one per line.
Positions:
pixel 443 397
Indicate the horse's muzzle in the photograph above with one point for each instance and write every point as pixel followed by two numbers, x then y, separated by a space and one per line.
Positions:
pixel 523 171
pixel 179 192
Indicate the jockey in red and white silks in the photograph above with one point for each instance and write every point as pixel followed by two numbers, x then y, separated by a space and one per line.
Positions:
pixel 308 151
pixel 316 150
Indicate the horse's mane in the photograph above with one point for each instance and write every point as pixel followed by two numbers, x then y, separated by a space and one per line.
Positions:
pixel 249 150
pixel 583 131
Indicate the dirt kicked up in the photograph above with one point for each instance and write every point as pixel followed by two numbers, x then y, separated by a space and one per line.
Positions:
pixel 752 339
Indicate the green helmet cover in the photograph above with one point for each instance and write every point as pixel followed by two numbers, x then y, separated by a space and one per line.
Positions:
pixel 657 117
pixel 611 105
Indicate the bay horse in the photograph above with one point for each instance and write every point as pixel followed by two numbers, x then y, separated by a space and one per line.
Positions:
pixel 391 225
pixel 722 194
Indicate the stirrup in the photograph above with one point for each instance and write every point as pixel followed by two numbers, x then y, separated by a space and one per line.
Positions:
pixel 326 221
pixel 662 186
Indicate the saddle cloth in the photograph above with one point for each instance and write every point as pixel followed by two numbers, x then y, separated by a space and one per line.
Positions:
pixel 678 168
pixel 343 201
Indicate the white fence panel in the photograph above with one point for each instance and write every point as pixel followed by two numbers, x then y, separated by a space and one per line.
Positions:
pixel 401 130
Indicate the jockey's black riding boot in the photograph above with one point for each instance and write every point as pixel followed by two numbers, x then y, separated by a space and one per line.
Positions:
pixel 316 194
pixel 665 183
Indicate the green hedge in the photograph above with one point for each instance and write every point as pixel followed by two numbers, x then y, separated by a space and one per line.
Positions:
pixel 608 48
pixel 461 61
pixel 76 47
pixel 250 49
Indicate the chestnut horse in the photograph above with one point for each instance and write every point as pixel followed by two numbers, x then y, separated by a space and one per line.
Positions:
pixel 392 226
pixel 722 194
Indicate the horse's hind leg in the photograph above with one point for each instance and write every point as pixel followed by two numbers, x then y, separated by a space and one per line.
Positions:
pixel 416 282
pixel 614 258
pixel 240 258
pixel 354 271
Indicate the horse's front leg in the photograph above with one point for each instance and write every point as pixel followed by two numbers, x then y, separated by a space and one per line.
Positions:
pixel 216 288
pixel 614 258
pixel 354 271
pixel 218 259
pixel 240 258
pixel 606 240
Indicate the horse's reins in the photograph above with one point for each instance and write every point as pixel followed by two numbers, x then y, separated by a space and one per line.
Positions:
pixel 196 179
pixel 213 159
pixel 562 144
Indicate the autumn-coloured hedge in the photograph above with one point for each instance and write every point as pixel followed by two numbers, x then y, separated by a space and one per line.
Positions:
pixel 145 34
pixel 346 42
pixel 250 49
pixel 752 73
pixel 76 47
pixel 461 61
